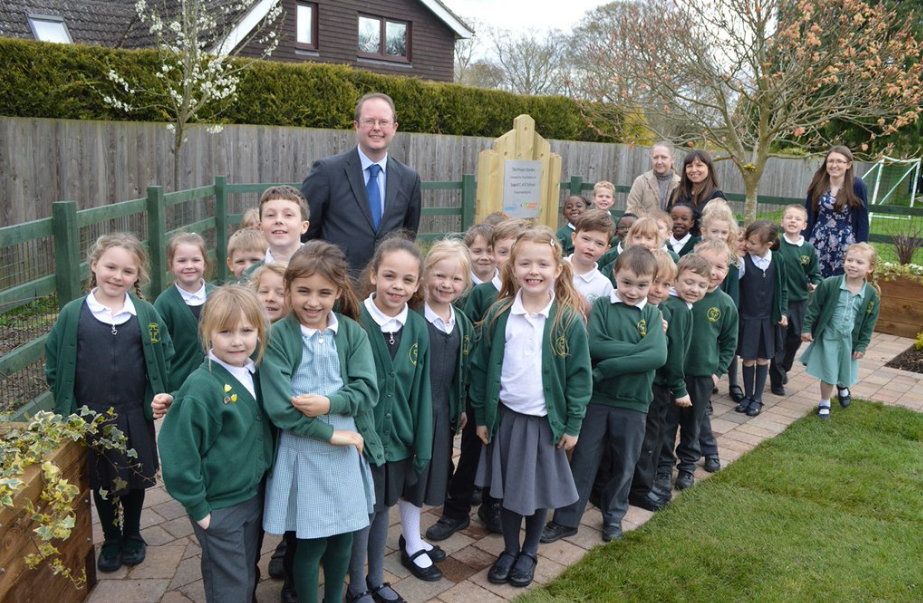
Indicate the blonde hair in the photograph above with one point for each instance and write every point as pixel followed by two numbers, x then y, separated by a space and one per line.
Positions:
pixel 264 269
pixel 869 252
pixel 250 219
pixel 247 239
pixel 129 243
pixel 647 226
pixel 225 308
pixel 495 218
pixel 695 264
pixel 186 238
pixel 449 249
pixel 603 184
pixel 666 268
pixel 664 217
pixel 570 302
pixel 722 213
pixel 715 246
pixel 508 229
pixel 796 207
pixel 718 204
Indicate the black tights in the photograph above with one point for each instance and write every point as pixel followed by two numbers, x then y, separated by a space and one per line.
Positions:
pixel 108 509
pixel 512 521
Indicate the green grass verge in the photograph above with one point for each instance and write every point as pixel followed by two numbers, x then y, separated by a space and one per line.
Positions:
pixel 827 511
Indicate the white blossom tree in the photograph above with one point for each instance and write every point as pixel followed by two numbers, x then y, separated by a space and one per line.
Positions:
pixel 197 43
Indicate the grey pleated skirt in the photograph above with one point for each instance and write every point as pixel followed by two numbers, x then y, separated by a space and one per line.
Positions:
pixel 434 483
pixel 393 481
pixel 522 466
pixel 758 338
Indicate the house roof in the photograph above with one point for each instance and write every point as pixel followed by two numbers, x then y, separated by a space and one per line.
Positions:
pixel 114 23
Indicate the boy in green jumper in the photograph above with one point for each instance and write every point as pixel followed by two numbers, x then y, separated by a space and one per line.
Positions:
pixel 714 333
pixel 627 345
pixel 690 283
pixel 795 251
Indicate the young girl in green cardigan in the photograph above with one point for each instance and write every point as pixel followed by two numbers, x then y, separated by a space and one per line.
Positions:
pixel 110 349
pixel 530 384
pixel 446 275
pixel 181 304
pixel 403 414
pixel 841 317
pixel 217 445
pixel 319 386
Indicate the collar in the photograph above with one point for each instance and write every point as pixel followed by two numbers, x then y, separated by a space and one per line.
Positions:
pixel 434 318
pixel 237 371
pixel 495 279
pixel 193 299
pixel 765 259
pixel 382 319
pixel 571 226
pixel 128 307
pixel 497 283
pixel 797 242
pixel 673 293
pixel 587 276
pixel 366 162
pixel 332 324
pixel 674 241
pixel 615 299
pixel 619 248
pixel 519 309
pixel 270 260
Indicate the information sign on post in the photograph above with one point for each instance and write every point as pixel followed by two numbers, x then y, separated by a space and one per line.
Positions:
pixel 522 188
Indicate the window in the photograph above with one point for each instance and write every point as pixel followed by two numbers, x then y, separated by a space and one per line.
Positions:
pixel 49 29
pixel 383 38
pixel 306 26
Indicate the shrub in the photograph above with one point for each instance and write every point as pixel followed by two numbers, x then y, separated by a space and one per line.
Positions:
pixel 68 81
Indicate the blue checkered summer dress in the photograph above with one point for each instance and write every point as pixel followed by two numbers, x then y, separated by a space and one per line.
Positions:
pixel 317 489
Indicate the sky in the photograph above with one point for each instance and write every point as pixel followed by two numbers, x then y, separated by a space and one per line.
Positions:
pixel 520 15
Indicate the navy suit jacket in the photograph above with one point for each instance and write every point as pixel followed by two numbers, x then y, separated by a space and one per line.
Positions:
pixel 340 214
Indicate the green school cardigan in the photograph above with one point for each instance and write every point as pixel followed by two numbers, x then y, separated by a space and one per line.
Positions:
pixel 61 355
pixel 566 375
pixel 823 305
pixel 404 413
pixel 184 330
pixel 356 398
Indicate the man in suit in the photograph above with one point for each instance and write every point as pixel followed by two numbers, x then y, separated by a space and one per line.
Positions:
pixel 358 197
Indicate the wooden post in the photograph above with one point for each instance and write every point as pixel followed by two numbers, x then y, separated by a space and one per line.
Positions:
pixel 468 201
pixel 522 143
pixel 156 239
pixel 66 251
pixel 221 226
pixel 576 185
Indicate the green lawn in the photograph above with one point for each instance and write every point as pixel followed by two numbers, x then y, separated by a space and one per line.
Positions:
pixel 827 511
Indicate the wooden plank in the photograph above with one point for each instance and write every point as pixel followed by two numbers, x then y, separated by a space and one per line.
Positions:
pixel 429 185
pixel 22 294
pixel 22 356
pixel 44 401
pixel 901 288
pixel 891 327
pixel 199 226
pixel 96 215
pixel 184 196
pixel 441 211
pixel 22 233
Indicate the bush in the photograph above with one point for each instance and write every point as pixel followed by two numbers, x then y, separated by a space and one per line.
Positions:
pixel 68 81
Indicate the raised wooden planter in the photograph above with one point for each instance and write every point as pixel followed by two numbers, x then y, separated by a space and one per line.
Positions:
pixel 901 307
pixel 17 582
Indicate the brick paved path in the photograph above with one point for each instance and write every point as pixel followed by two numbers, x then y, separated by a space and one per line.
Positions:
pixel 171 572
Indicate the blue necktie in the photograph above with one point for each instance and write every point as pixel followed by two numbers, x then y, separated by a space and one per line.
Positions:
pixel 374 194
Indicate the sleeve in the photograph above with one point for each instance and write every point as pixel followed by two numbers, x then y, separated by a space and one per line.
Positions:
pixel 423 411
pixel 861 215
pixel 814 306
pixel 633 202
pixel 316 189
pixel 360 391
pixel 675 366
pixel 727 340
pixel 187 433
pixel 616 358
pixel 783 288
pixel 414 208
pixel 813 268
pixel 579 385
pixel 865 336
pixel 276 385
pixel 51 352
pixel 479 371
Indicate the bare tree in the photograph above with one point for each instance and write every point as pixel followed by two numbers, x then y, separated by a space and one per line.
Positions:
pixel 531 62
pixel 752 74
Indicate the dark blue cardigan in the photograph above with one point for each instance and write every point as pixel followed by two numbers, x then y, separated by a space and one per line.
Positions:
pixel 859 218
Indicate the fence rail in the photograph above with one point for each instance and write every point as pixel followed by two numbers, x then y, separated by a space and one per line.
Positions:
pixel 212 211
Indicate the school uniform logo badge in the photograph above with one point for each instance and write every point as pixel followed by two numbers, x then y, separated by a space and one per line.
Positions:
pixel 714 315
pixel 414 351
pixel 232 397
pixel 560 347
pixel 466 345
pixel 153 330
pixel 868 309
pixel 642 328
pixel 805 260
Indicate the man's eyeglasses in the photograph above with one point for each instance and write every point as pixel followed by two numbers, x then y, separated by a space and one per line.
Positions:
pixel 384 124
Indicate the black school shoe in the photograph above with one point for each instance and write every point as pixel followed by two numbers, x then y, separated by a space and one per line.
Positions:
pixel 650 501
pixel 134 549
pixel 445 527
pixel 490 516
pixel 379 598
pixel 110 556
pixel 427 574
pixel 555 531
pixel 736 393
pixel 436 554
pixel 756 406
pixel 612 531
pixel 523 570
pixel 844 400
pixel 500 571
pixel 662 482
pixel 777 390
pixel 743 406
pixel 712 464
pixel 684 480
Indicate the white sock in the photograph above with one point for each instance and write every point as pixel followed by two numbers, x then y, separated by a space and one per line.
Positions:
pixel 410 528
pixel 825 403
pixel 824 407
pixel 843 392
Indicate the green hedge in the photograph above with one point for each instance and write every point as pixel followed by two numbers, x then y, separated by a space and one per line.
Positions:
pixel 40 79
